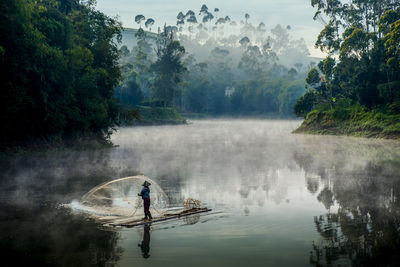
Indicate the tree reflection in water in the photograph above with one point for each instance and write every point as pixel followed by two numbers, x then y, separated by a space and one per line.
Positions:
pixel 362 182
pixel 35 229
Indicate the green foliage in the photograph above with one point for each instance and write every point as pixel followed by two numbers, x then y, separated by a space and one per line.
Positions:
pixel 328 67
pixel 392 45
pixel 352 119
pixel 141 63
pixel 58 69
pixel 368 72
pixel 305 104
pixel 213 88
pixel 168 68
pixel 327 41
pixel 313 78
pixel 159 115
pixel 129 115
pixel 289 95
pixel 129 93
pixel 241 76
pixel 394 108
pixel 388 18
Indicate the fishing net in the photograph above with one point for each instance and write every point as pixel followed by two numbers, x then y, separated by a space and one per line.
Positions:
pixel 119 199
pixel 191 203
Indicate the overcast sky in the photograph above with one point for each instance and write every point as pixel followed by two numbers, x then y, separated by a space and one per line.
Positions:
pixel 296 13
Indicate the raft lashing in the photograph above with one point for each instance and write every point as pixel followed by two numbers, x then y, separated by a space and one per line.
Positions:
pixel 165 217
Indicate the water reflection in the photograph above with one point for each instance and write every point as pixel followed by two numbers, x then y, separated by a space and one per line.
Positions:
pixel 55 239
pixel 362 179
pixel 282 197
pixel 190 220
pixel 145 245
pixel 238 162
pixel 35 229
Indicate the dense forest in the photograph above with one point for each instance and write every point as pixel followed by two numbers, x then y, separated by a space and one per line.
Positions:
pixel 58 70
pixel 359 81
pixel 209 64
pixel 65 74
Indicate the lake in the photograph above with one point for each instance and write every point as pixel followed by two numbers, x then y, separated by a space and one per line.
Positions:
pixel 277 199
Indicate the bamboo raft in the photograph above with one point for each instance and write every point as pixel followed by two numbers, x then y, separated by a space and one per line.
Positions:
pixel 165 217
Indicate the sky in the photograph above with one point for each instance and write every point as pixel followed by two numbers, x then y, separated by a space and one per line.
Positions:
pixel 296 13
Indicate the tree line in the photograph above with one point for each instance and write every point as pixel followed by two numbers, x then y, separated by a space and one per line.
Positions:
pixel 215 66
pixel 58 67
pixel 63 74
pixel 362 40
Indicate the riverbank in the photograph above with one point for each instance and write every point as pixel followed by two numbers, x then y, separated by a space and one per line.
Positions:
pixel 92 141
pixel 353 122
pixel 268 116
pixel 51 144
pixel 159 116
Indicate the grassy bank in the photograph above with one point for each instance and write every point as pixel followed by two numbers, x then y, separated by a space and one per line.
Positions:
pixel 353 120
pixel 158 116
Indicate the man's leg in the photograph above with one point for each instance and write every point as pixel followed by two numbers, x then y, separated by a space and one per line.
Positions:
pixel 146 205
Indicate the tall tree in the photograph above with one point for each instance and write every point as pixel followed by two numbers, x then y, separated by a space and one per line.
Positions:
pixel 168 68
pixel 364 33
pixel 58 67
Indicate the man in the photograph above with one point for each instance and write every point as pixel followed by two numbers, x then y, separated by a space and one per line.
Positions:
pixel 145 194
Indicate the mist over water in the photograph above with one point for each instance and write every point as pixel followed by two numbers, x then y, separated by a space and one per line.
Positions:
pixel 279 199
pixel 228 155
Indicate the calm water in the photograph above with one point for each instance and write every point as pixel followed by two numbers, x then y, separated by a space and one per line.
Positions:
pixel 278 199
